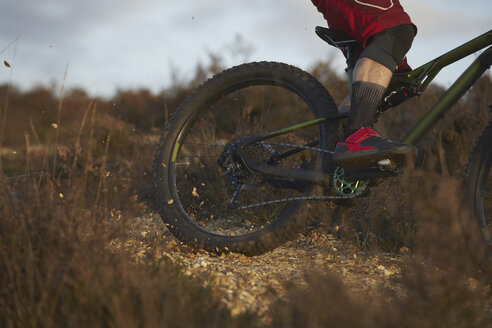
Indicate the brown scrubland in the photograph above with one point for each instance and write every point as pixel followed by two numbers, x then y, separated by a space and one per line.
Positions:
pixel 76 172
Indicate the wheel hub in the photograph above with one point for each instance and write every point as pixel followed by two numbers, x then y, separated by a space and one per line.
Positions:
pixel 240 176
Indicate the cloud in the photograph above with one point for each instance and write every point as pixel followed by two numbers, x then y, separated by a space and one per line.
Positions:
pixel 446 18
pixel 48 20
pixel 128 43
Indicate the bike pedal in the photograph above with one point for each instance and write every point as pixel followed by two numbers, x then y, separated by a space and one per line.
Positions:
pixel 387 165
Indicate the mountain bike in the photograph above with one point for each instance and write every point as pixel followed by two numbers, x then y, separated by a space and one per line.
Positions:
pixel 243 159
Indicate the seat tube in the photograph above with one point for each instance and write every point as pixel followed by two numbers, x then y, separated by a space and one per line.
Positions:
pixel 351 60
pixel 350 77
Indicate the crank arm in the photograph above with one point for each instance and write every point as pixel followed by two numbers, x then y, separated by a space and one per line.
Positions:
pixel 367 174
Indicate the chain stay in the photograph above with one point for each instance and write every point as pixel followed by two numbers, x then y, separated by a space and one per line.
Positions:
pixel 320 150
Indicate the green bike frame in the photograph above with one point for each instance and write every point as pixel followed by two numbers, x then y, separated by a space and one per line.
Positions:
pixel 418 79
pixel 423 75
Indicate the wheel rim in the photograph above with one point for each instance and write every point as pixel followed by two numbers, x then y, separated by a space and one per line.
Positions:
pixel 204 189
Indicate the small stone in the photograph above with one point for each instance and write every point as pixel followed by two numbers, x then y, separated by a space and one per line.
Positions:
pixel 385 271
pixel 199 263
pixel 243 258
pixel 170 245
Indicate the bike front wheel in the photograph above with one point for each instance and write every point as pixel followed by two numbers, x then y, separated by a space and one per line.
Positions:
pixel 479 184
pixel 210 199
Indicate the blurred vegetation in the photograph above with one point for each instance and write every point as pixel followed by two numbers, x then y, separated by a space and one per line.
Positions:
pixel 69 163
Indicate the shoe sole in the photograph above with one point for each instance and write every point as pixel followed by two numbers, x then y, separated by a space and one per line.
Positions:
pixel 367 158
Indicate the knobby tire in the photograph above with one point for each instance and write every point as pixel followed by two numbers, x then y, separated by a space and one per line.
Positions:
pixel 189 186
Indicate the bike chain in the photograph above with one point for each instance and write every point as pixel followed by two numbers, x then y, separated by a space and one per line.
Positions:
pixel 276 201
pixel 301 198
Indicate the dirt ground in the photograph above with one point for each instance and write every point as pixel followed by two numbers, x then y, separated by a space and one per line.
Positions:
pixel 252 283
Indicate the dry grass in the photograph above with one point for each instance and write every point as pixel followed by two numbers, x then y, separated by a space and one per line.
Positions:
pixel 446 281
pixel 57 223
pixel 58 269
pixel 64 208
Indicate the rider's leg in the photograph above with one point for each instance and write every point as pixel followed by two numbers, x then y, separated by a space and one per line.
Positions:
pixel 367 70
pixel 372 74
pixel 369 84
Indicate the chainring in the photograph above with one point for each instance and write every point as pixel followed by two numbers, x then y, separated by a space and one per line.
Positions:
pixel 347 188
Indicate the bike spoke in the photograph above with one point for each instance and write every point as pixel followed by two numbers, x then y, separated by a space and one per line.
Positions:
pixel 215 168
pixel 205 189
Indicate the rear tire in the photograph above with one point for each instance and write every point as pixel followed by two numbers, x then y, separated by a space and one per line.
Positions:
pixel 192 191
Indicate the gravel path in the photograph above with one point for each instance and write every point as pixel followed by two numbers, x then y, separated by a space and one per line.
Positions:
pixel 252 283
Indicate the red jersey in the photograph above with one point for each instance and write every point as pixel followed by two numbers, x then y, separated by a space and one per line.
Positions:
pixel 361 19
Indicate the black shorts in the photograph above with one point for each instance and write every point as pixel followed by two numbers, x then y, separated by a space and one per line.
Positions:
pixel 389 46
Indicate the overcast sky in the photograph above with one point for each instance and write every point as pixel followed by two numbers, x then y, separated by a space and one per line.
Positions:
pixel 111 44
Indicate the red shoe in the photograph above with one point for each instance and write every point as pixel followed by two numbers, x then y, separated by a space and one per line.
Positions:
pixel 365 148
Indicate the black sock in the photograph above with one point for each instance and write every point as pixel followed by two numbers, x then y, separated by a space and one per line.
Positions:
pixel 366 97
